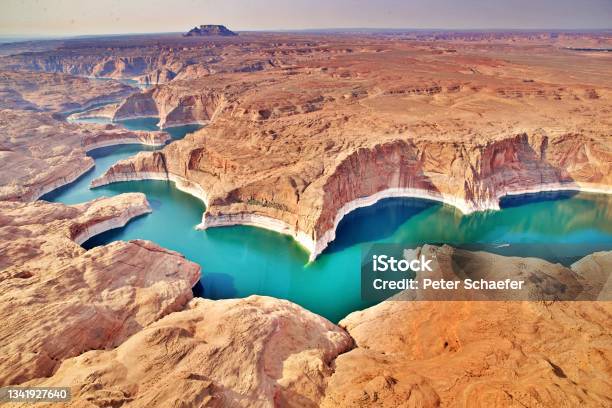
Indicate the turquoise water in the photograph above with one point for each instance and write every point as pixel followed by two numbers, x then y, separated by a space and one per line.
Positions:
pixel 105 157
pixel 240 261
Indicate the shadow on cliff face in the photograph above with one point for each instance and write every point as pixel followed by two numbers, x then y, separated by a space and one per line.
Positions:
pixel 515 163
pixel 215 286
pixel 523 162
pixel 376 222
pixel 369 171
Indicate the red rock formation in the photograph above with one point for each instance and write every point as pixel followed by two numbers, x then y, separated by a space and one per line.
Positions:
pixel 297 145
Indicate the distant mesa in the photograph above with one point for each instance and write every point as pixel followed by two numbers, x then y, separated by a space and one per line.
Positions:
pixel 210 30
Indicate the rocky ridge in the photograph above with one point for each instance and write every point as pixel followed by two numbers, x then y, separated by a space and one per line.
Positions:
pixel 177 56
pixel 39 153
pixel 59 300
pixel 337 134
pixel 264 352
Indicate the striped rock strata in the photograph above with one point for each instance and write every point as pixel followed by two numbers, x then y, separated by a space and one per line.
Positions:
pixel 39 153
pixel 295 148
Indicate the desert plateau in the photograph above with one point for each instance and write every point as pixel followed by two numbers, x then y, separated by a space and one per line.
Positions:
pixel 185 217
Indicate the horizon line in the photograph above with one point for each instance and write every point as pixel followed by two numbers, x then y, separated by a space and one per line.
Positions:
pixel 298 30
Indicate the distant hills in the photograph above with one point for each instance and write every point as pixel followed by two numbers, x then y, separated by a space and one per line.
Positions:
pixel 210 30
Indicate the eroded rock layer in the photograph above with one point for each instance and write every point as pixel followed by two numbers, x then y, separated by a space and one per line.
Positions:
pixel 59 300
pixel 266 352
pixel 294 148
pixel 39 153
pixel 56 92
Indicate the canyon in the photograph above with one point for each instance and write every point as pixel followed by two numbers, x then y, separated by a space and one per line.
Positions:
pixel 344 128
pixel 59 300
pixel 300 130
pixel 39 152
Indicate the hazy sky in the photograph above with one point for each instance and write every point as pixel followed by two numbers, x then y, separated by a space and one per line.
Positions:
pixel 68 17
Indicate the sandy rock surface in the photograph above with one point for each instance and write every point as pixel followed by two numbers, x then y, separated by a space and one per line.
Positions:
pixel 56 92
pixel 480 353
pixel 261 351
pixel 39 153
pixel 476 354
pixel 59 300
pixel 253 352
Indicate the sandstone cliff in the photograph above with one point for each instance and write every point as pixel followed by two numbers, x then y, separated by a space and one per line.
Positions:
pixel 297 145
pixel 173 108
pixel 39 153
pixel 311 198
pixel 58 300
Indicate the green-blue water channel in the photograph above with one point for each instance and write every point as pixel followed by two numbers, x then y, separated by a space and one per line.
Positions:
pixel 240 261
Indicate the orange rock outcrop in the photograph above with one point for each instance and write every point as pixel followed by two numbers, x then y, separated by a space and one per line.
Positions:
pixel 39 153
pixel 59 300
pixel 294 148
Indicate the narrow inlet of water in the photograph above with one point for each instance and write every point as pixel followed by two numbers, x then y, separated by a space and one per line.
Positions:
pixel 240 261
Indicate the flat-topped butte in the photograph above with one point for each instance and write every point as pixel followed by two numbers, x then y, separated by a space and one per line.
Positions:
pixel 210 29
